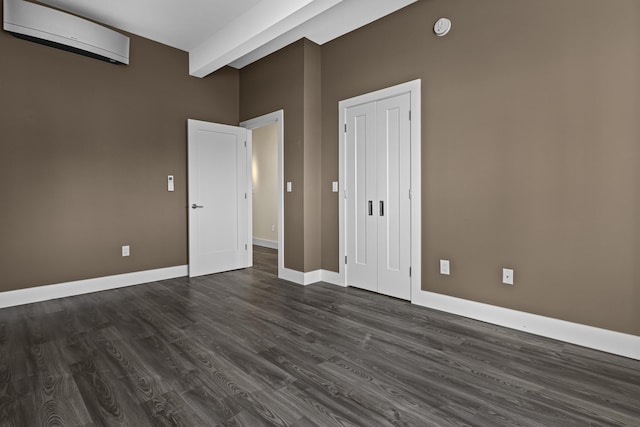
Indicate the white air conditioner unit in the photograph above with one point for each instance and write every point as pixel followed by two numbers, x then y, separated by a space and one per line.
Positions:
pixel 54 28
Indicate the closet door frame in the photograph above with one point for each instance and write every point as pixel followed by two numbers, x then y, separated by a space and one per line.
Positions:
pixel 414 88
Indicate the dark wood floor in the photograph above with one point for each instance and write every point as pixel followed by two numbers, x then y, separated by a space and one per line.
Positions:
pixel 243 348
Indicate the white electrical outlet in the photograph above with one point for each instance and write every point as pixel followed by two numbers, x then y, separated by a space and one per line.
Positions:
pixel 170 186
pixel 507 276
pixel 126 251
pixel 273 227
pixel 289 187
pixel 334 186
pixel 444 267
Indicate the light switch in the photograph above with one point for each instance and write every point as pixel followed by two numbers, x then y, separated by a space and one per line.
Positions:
pixel 444 267
pixel 334 186
pixel 170 186
pixel 288 186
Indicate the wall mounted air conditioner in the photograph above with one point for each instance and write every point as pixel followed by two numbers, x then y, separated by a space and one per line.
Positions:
pixel 54 28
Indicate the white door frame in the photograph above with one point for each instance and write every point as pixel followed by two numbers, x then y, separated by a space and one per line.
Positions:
pixel 267 119
pixel 414 88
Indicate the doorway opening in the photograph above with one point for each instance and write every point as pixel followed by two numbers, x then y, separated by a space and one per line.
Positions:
pixel 267 164
pixel 264 173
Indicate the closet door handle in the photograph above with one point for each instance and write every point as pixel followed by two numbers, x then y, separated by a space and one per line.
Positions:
pixel 370 208
pixel 381 208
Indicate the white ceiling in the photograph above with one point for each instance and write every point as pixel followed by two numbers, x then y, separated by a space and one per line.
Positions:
pixel 231 32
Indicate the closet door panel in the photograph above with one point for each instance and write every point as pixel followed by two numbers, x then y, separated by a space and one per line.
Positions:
pixel 393 184
pixel 361 196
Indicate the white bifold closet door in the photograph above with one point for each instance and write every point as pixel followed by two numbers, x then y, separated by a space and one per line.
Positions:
pixel 378 207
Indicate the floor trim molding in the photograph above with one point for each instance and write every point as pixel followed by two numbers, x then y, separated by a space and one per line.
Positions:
pixel 265 243
pixel 332 277
pixel 79 287
pixel 312 277
pixel 305 279
pixel 587 336
pixel 294 276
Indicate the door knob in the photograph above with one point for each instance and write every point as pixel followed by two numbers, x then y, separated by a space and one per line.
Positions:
pixel 194 206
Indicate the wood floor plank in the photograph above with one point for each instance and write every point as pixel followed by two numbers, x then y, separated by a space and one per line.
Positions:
pixel 170 409
pixel 244 348
pixel 210 403
pixel 58 403
pixel 106 398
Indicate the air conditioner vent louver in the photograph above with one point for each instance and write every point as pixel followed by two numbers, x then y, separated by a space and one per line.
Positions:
pixel 41 24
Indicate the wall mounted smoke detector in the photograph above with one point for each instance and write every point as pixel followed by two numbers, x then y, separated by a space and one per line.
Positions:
pixel 442 27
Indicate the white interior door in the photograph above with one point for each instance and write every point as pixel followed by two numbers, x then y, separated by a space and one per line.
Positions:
pixel 219 198
pixel 378 205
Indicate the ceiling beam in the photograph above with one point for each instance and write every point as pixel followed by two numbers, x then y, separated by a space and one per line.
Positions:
pixel 256 27
pixel 349 15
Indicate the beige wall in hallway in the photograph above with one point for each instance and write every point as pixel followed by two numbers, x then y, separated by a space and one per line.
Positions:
pixel 265 182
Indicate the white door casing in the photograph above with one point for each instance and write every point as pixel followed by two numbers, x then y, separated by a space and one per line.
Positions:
pixel 219 201
pixel 398 237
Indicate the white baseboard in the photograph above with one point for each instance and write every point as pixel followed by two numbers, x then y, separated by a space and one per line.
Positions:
pixel 294 276
pixel 265 243
pixel 587 336
pixel 310 277
pixel 332 277
pixel 299 277
pixel 79 287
